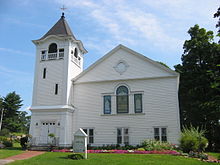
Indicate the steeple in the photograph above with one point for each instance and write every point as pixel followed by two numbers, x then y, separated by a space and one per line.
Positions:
pixel 61 28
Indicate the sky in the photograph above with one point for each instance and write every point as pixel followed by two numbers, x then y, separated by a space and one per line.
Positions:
pixel 154 28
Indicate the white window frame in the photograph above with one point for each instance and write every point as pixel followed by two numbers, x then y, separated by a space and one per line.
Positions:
pixel 160 133
pixel 123 135
pixel 87 132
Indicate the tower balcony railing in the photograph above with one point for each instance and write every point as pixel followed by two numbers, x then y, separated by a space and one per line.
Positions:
pixel 52 56
pixel 61 54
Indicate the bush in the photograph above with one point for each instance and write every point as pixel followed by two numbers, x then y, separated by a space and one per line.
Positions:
pixel 3 138
pixel 151 145
pixel 75 156
pixel 24 142
pixel 7 143
pixel 192 139
pixel 141 149
pixel 4 132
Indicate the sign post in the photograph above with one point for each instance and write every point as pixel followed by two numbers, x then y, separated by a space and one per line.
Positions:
pixel 80 142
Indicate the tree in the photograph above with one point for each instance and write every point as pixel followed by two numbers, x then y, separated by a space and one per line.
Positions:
pixel 13 119
pixel 198 98
pixel 216 15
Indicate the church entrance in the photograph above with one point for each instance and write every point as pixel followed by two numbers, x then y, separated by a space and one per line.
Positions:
pixel 47 128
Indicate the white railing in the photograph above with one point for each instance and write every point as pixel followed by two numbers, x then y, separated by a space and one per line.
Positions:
pixel 43 57
pixel 52 56
pixel 61 54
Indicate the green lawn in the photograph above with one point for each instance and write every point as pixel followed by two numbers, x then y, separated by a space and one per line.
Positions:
pixel 16 149
pixel 51 158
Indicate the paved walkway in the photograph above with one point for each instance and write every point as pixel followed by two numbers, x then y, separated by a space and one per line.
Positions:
pixel 25 155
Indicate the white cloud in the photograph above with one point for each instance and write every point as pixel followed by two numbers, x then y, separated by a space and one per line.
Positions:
pixel 162 24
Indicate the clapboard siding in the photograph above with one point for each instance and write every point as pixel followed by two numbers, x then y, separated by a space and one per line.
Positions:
pixel 159 109
pixel 46 87
pixel 138 68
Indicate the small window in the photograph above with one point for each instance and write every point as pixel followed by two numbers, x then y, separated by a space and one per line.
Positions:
pixel 164 134
pixel 76 52
pixel 61 50
pixel 156 134
pixel 119 136
pixel 71 51
pixel 91 136
pixel 56 89
pixel 160 134
pixel 43 55
pixel 138 103
pixel 107 104
pixel 90 133
pixel 61 53
pixel 44 73
pixel 122 136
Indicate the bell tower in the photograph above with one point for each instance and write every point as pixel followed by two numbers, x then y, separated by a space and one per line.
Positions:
pixel 59 58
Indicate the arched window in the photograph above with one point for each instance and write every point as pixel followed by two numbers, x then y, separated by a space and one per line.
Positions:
pixel 122 99
pixel 52 48
pixel 76 52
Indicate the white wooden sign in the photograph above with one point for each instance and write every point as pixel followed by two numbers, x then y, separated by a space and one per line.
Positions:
pixel 80 142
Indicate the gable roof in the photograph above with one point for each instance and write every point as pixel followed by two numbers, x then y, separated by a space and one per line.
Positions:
pixel 158 65
pixel 61 28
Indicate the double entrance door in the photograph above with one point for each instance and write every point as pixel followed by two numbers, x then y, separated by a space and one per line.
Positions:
pixel 47 127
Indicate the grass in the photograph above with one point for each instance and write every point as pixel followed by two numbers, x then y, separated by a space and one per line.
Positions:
pixel 55 158
pixel 214 154
pixel 16 149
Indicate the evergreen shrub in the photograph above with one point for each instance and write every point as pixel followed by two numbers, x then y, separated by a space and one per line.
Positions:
pixel 193 139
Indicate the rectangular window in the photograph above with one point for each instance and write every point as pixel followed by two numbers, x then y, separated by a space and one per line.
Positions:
pixel 156 134
pixel 61 53
pixel 56 89
pixel 44 73
pixel 126 137
pixel 90 133
pixel 122 136
pixel 43 55
pixel 163 134
pixel 107 104
pixel 119 136
pixel 160 134
pixel 138 103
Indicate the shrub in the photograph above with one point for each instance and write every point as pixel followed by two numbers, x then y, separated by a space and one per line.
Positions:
pixel 150 145
pixel 4 132
pixel 24 142
pixel 75 156
pixel 3 138
pixel 7 143
pixel 51 135
pixel 141 149
pixel 192 139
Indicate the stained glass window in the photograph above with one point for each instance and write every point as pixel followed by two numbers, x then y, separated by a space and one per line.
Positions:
pixel 138 103
pixel 122 99
pixel 107 104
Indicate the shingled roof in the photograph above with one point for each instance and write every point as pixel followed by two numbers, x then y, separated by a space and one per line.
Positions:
pixel 61 28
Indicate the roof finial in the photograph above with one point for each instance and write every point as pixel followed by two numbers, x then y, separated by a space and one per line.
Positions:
pixel 63 8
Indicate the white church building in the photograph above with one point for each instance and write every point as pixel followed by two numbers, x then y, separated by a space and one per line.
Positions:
pixel 123 98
